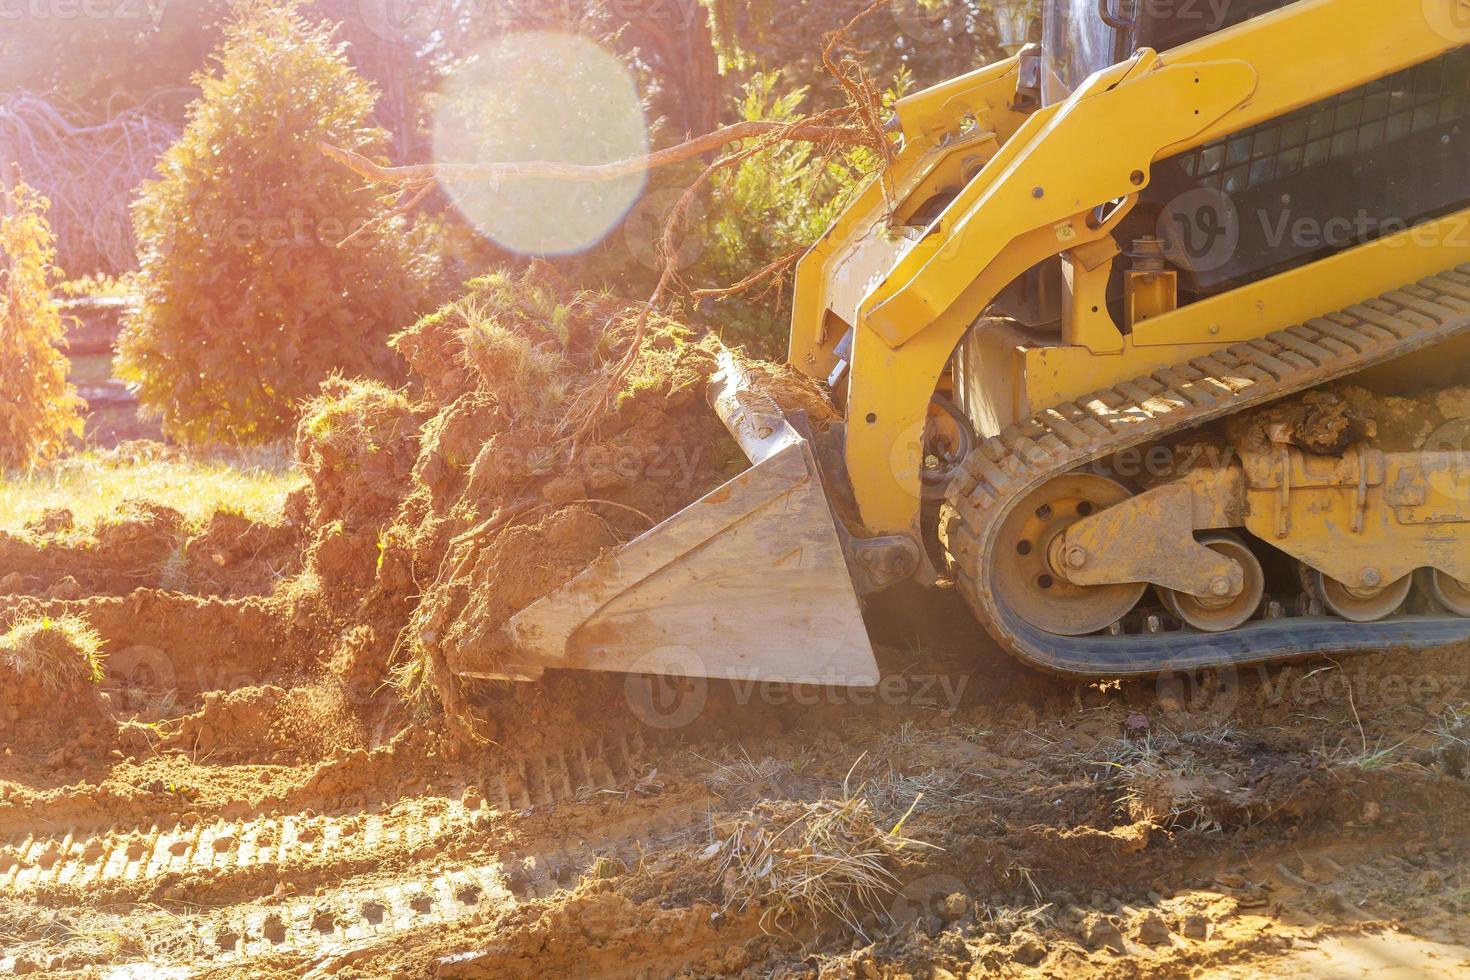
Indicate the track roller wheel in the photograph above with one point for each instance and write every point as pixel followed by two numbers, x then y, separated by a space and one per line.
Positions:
pixel 1024 578
pixel 1209 614
pixel 948 439
pixel 1361 605
pixel 1448 591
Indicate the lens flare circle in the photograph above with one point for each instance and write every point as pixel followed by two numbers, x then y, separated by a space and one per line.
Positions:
pixel 542 96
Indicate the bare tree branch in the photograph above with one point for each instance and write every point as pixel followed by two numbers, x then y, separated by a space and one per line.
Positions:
pixel 812 130
pixel 88 171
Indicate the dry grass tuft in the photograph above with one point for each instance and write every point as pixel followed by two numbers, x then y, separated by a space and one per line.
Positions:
pixel 354 417
pixel 805 862
pixel 529 374
pixel 743 781
pixel 65 653
pixel 1162 779
pixel 1452 725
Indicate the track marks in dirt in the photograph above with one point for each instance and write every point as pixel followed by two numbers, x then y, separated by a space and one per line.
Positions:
pixel 318 884
pixel 120 860
pixel 117 861
pixel 353 914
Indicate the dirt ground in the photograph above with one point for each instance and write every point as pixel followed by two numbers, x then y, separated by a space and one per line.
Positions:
pixel 274 777
pixel 226 812
pixel 1278 825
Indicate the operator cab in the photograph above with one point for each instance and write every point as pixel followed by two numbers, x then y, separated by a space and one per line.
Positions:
pixel 1081 37
pixel 1389 154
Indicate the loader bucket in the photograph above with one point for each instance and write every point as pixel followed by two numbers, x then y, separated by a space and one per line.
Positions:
pixel 750 582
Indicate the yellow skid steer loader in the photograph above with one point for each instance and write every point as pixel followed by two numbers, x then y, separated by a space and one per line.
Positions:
pixel 1091 260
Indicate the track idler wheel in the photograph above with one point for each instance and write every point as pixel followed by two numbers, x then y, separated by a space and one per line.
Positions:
pixel 1218 615
pixel 1361 604
pixel 1024 578
pixel 1448 591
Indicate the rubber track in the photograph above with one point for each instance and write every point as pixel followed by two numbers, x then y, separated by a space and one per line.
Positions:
pixel 1005 468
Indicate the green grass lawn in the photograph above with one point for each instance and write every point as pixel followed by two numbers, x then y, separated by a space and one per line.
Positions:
pixel 91 485
pixel 90 369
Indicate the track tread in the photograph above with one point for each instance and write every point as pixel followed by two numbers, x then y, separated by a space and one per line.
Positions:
pixel 1242 376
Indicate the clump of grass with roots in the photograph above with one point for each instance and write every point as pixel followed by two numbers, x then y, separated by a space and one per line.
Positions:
pixel 806 862
pixel 353 417
pixel 64 653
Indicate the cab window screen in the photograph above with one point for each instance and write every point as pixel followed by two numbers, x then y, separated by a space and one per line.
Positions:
pixel 1165 26
pixel 1077 43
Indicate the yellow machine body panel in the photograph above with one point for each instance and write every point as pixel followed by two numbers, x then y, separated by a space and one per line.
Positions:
pixel 1039 196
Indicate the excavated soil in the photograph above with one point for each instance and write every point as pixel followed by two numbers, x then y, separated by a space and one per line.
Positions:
pixel 275 778
pixel 1272 821
pixel 146 545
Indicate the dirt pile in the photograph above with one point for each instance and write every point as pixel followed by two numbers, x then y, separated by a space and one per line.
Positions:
pixel 146 545
pixel 49 671
pixel 233 556
pixel 549 439
pixel 125 550
pixel 356 442
pixel 268 722
pixel 430 515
